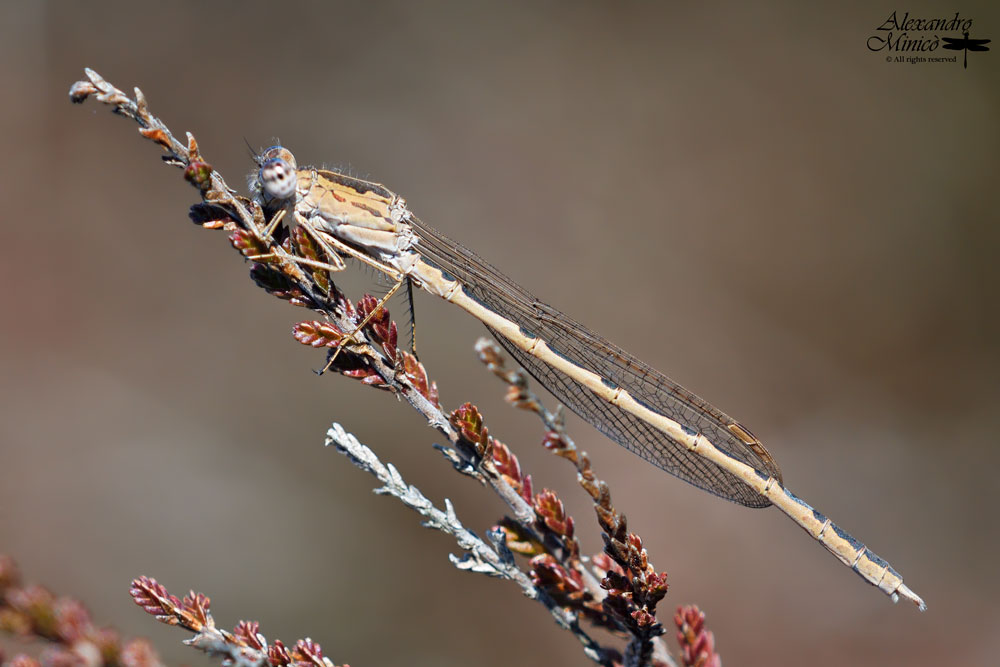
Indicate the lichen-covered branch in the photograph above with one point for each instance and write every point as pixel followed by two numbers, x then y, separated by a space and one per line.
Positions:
pixel 494 559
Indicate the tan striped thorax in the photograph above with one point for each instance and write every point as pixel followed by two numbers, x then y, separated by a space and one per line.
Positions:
pixel 355 211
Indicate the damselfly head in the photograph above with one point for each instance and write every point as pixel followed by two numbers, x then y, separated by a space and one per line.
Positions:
pixel 277 173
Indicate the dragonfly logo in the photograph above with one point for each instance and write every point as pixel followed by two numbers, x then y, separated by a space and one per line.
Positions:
pixel 916 39
pixel 965 44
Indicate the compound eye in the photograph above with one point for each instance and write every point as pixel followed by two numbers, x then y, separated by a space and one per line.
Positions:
pixel 277 178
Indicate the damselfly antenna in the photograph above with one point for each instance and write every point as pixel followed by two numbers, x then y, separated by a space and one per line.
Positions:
pixel 254 155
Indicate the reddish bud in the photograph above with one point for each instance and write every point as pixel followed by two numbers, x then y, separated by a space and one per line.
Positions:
pixel 196 607
pixel 72 621
pixel 520 540
pixel 468 421
pixel 308 653
pixel 199 174
pixel 154 599
pixel 80 91
pixel 551 511
pixel 643 618
pixel 249 246
pixel 564 585
pixel 307 248
pixel 317 334
pixel 697 644
pixel 417 376
pixel 157 135
pixel 37 605
pixel 14 622
pixel 247 633
pixel 139 653
pixel 22 660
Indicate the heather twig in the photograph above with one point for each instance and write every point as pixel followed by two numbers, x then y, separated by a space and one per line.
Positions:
pixel 494 559
pixel 64 628
pixel 633 585
pixel 370 354
pixel 697 643
pixel 361 342
pixel 245 646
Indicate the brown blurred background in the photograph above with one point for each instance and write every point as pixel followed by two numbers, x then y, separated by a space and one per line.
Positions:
pixel 747 198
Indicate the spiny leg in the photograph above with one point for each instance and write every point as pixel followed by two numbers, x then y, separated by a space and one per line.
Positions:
pixel 299 260
pixel 332 245
pixel 351 336
pixel 271 226
pixel 413 318
pixel 336 263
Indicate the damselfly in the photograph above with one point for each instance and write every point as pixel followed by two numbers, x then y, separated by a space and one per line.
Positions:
pixel 633 404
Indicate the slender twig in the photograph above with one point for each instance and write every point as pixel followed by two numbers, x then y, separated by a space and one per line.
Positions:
pixel 361 343
pixel 246 215
pixel 245 646
pixel 493 559
pixel 631 599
